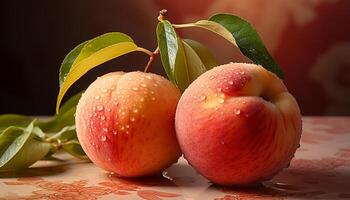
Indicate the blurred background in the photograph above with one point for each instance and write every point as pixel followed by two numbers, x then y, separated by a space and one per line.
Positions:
pixel 309 39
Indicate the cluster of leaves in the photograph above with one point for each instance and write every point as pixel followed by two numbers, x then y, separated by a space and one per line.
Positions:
pixel 25 140
pixel 184 59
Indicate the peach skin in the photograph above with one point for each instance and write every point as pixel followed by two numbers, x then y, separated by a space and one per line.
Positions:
pixel 125 123
pixel 238 125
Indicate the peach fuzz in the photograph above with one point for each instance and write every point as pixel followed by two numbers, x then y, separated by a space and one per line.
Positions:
pixel 238 125
pixel 125 123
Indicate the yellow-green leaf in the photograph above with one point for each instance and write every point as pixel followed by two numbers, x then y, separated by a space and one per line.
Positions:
pixel 95 52
pixel 211 26
pixel 204 54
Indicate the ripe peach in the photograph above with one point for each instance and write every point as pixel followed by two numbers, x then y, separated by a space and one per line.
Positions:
pixel 125 123
pixel 237 124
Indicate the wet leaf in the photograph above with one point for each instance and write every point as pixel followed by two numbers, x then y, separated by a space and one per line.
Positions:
pixel 19 149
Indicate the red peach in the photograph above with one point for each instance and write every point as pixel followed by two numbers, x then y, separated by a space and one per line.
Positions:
pixel 125 123
pixel 238 125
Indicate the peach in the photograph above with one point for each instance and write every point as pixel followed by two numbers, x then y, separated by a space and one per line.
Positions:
pixel 125 123
pixel 238 125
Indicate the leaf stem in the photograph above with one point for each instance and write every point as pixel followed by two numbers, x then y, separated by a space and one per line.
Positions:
pixel 144 51
pixel 183 25
pixel 151 59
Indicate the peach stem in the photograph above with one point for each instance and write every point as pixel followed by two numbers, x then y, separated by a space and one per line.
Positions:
pixel 151 60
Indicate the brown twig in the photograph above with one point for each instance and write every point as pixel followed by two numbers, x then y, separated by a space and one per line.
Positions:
pixel 162 14
pixel 151 60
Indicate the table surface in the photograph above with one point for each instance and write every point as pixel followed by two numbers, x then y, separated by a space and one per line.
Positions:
pixel 320 170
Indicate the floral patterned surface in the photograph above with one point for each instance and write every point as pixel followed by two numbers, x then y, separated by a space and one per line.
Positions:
pixel 320 170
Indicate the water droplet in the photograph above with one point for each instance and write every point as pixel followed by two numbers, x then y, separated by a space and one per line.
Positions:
pixel 103 138
pixel 212 77
pixel 105 129
pixel 221 112
pixel 149 77
pixel 135 88
pixel 118 92
pixel 155 85
pixel 132 119
pixel 237 111
pixel 152 92
pixel 219 89
pixel 231 82
pixel 109 159
pixel 122 128
pixel 242 72
pixel 135 110
pixel 142 99
pixel 127 126
pixel 246 115
pixel 222 95
pixel 203 97
pixel 202 85
pixel 97 97
pixel 284 187
pixel 103 117
pixel 216 108
pixel 127 132
pixel 112 88
pixel 220 70
pixel 99 108
pixel 95 114
pixel 143 85
pixel 109 109
pixel 123 113
pixel 221 100
pixel 115 132
pixel 153 98
pixel 104 90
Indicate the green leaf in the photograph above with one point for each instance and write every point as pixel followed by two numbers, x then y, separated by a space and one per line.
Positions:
pixel 39 133
pixel 74 148
pixel 68 61
pixel 183 60
pixel 19 149
pixel 241 34
pixel 8 120
pixel 168 47
pixel 95 52
pixel 204 54
pixel 194 64
pixel 248 41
